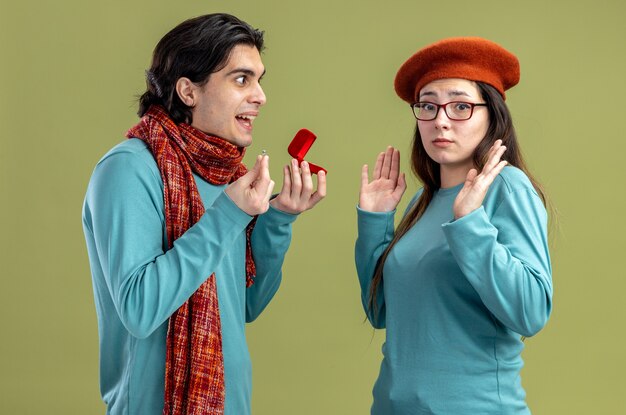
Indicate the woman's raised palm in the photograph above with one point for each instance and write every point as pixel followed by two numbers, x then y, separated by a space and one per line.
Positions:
pixel 385 190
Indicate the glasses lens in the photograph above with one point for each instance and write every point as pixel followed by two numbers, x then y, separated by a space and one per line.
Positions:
pixel 459 110
pixel 425 111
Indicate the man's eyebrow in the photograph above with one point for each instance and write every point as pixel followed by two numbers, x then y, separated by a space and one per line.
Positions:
pixel 245 71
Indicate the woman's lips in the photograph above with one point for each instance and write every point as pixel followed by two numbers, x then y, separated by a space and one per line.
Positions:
pixel 442 142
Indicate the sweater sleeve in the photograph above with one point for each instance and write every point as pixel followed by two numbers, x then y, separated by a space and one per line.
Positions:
pixel 124 212
pixel 375 232
pixel 505 258
pixel 270 240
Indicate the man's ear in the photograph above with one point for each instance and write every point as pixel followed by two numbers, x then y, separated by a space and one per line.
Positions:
pixel 186 91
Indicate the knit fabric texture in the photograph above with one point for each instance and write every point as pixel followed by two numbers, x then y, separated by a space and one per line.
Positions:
pixel 194 368
pixel 471 58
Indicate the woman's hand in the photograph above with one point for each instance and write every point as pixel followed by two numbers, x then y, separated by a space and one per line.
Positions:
pixel 297 194
pixel 385 190
pixel 476 185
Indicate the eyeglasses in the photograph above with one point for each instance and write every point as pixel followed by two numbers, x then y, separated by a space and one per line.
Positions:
pixel 455 110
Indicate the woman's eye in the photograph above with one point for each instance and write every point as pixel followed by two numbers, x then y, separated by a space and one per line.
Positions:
pixel 462 106
pixel 427 107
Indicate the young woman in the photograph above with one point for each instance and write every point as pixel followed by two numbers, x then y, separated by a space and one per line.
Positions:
pixel 467 272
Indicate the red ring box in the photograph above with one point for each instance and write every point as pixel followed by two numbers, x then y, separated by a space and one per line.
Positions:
pixel 300 145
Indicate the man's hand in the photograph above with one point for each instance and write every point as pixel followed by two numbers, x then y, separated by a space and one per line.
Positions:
pixel 385 190
pixel 297 194
pixel 252 191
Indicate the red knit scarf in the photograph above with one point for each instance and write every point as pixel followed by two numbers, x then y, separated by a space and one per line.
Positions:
pixel 194 367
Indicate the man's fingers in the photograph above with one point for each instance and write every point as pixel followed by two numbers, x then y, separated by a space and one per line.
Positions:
pixel 307 181
pixel 262 179
pixel 264 166
pixel 321 183
pixel 251 192
pixel 296 179
pixel 286 180
pixel 321 190
pixel 257 165
pixel 251 176
pixel 270 189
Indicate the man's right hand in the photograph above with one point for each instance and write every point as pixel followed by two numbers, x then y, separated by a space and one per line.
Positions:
pixel 252 191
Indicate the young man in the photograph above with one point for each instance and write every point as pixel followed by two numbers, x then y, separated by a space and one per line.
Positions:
pixel 179 263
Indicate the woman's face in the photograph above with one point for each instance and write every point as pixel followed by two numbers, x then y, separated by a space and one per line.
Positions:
pixel 452 143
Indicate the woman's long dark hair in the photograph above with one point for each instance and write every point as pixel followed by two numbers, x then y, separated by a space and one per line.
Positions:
pixel 427 170
pixel 194 49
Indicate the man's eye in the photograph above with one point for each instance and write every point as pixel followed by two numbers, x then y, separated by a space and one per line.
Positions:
pixel 241 80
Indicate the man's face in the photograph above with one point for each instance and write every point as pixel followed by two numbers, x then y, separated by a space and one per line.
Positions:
pixel 228 103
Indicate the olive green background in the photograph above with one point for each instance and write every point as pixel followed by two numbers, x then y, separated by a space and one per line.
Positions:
pixel 69 75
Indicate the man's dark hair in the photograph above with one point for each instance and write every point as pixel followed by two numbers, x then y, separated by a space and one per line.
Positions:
pixel 194 49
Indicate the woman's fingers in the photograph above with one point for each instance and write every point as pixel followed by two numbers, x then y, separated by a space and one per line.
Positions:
pixel 378 166
pixel 471 175
pixel 491 175
pixel 395 165
pixel 476 185
pixel 387 162
pixel 364 176
pixel 495 153
pixel 400 187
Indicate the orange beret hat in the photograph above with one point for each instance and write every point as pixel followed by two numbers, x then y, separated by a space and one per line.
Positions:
pixel 472 58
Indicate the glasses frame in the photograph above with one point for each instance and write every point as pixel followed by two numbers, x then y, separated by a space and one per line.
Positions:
pixel 445 109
